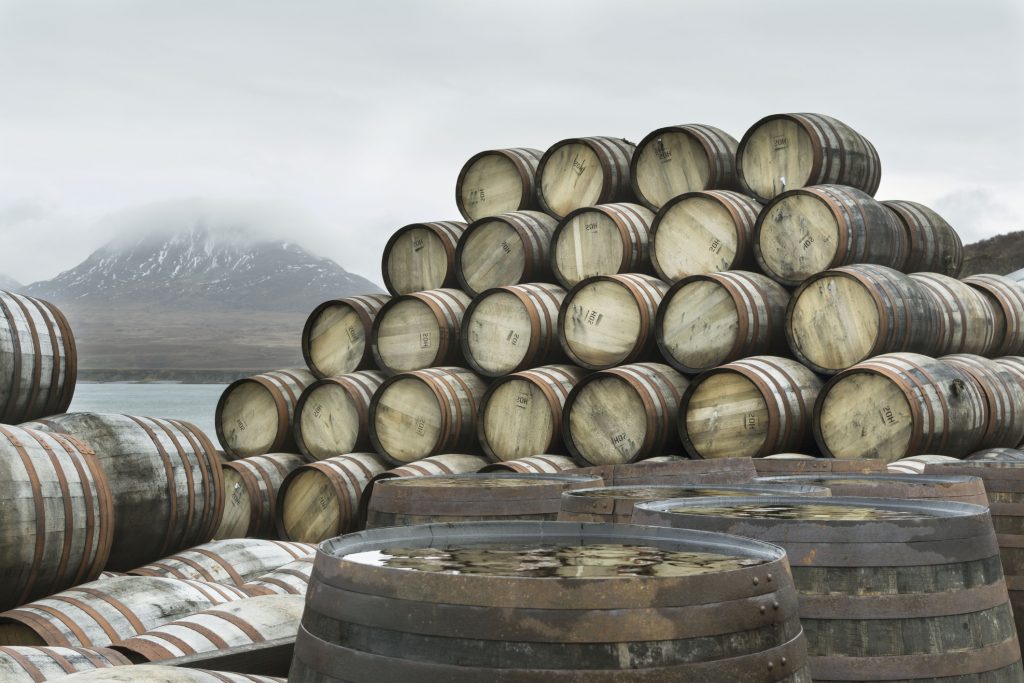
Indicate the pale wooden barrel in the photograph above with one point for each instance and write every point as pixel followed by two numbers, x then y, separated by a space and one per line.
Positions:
pixel 419 330
pixel 57 517
pixel 427 412
pixel 966 319
pixel 234 561
pixel 672 469
pixel 582 172
pixel 254 414
pixel 498 181
pixel 421 256
pixel 623 414
pixel 155 673
pixel 509 249
pixel 289 579
pixel 533 464
pixel 331 415
pixel 248 621
pixel 38 359
pixel 916 464
pixel 915 486
pixel 100 613
pixel 1003 394
pixel 508 329
pixel 601 240
pixel 250 494
pixel 335 334
pixel 844 316
pixel 807 231
pixel 32 664
pixel 799 463
pixel 1015 364
pixel 1007 298
pixel 674 160
pixel 997 454
pixel 788 151
pixel 703 232
pixel 897 405
pixel 321 499
pixel 165 481
pixel 707 320
pixel 933 245
pixel 521 414
pixel 749 408
pixel 608 320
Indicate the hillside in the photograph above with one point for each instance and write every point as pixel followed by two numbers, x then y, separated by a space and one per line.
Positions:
pixel 9 283
pixel 1001 254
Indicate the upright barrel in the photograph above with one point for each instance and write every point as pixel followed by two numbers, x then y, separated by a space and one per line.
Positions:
pixel 674 160
pixel 331 415
pixel 582 172
pixel 232 562
pixel 966 320
pixel 933 244
pixel 1003 395
pixel 250 494
pixel 601 240
pixel 509 249
pixel 798 463
pixel 1007 299
pixel 421 257
pixel 498 181
pixel 419 330
pixel 38 359
pixel 254 414
pixel 31 664
pixel 956 488
pixel 334 338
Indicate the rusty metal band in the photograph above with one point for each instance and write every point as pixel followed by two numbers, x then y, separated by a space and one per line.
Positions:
pixel 903 606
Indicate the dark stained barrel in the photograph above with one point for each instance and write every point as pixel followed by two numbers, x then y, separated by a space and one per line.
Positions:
pixel 934 246
pixel 533 464
pixel 1003 394
pixel 675 470
pixel 250 494
pixel 421 257
pixel 331 415
pixel 549 601
pixel 674 160
pixel 798 463
pixel 966 320
pixel 883 585
pixel 32 664
pixel 254 414
pixel 335 336
pixel 601 240
pixel 582 172
pixel 38 359
pixel 419 330
pixel 1007 299
pixel 233 562
pixel 957 488
pixel 509 249
pixel 498 181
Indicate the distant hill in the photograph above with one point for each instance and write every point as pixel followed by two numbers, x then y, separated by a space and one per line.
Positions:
pixel 1001 254
pixel 9 284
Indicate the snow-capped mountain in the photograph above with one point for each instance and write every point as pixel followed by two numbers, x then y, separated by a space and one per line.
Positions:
pixel 9 284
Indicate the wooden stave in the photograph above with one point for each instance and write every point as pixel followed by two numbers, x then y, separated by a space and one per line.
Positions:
pixel 49 350
pixel 542 302
pixel 956 488
pixel 965 317
pixel 633 223
pixel 534 230
pixel 359 386
pixel 289 579
pixel 533 464
pixel 774 465
pixel 762 331
pixel 1003 394
pixel 934 246
pixel 231 562
pixel 525 159
pixel 448 307
pixel 719 146
pixel 613 154
pixel 169 673
pixel 997 454
pixel 916 464
pixel 31 664
pixel 284 387
pixel 447 232
pixel 260 477
pixel 366 307
pixel 1006 296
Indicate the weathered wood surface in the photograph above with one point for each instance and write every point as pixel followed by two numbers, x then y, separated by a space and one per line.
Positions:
pixel 334 338
pixel 533 464
pixel 498 181
pixel 232 562
pixel 799 463
pixel 901 486
pixel 421 256
pixel 1007 299
pixel 509 249
pixel 934 246
pixel 582 172
pixel 254 414
pixel 332 414
pixel 156 673
pixel 673 469
pixel 1003 394
pixel 914 464
pixel 674 160
pixel 33 664
pixel 250 494
pixel 601 240
pixel 419 330
pixel 288 579
pixel 966 319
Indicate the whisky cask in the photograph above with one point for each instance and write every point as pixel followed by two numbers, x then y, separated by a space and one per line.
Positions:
pixel 508 329
pixel 601 240
pixel 956 488
pixel 674 160
pixel 509 249
pixel 708 320
pixel 672 469
pixel 749 408
pixel 915 464
pixel 997 454
pixel 334 339
pixel 1015 364
pixel 582 172
pixel 807 231
pixel 966 320
pixel 498 181
pixel 32 664
pixel 1003 395
pixel 521 414
pixel 1007 299
pixel 250 494
pixel 331 415
pixel 421 256
pixel 156 673
pixel 533 464
pixel 703 232
pixel 608 320
pixel 254 414
pixel 419 330
pixel 289 579
pixel 798 463
pixel 38 359
pixel 232 562
pixel 788 151
pixel 933 244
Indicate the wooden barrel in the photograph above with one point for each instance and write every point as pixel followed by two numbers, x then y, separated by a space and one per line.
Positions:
pixel 957 488
pixel 248 621
pixel 100 613
pixel 38 359
pixel 788 151
pixel 1015 364
pixel 250 494
pixel 289 579
pixel 155 673
pixel 671 469
pixel 427 412
pixel 749 408
pixel 674 160
pixel 798 463
pixel 933 244
pixel 508 329
pixel 321 499
pixel 421 257
pixel 580 172
pixel 1007 299
pixel 335 334
pixel 254 414
pixel 56 514
pixel 808 231
pixel 233 561
pixel 32 664
pixel 1003 394
pixel 419 330
pixel 707 320
pixel 448 498
pixel 844 316
pixel 503 615
pixel 608 320
pixel 533 464
pixel 703 232
pixel 897 405
pixel 165 481
pixel 498 181
pixel 614 504
pixel 915 464
pixel 509 249
pixel 521 414
pixel 997 454
pixel 601 240
pixel 331 415
pixel 966 320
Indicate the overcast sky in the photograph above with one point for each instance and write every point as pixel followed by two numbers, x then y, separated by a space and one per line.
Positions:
pixel 352 119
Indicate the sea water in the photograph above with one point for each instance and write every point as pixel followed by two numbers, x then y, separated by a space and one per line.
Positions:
pixel 193 403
